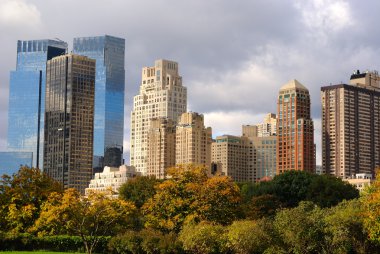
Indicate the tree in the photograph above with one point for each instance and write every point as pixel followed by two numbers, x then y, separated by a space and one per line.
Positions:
pixel 371 207
pixel 301 229
pixel 88 217
pixel 246 237
pixel 191 196
pixel 203 238
pixel 292 187
pixel 21 197
pixel 138 190
pixel 328 191
pixel 262 206
pixel 344 231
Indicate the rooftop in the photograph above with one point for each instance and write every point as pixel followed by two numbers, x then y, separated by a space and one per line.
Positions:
pixel 293 84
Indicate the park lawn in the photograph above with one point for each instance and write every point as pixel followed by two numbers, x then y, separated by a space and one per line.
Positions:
pixel 36 252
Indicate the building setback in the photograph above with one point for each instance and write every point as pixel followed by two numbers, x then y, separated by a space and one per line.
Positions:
pixel 161 95
pixel 108 51
pixel 351 126
pixel 295 130
pixel 27 96
pixel 69 120
pixel 193 140
pixel 161 147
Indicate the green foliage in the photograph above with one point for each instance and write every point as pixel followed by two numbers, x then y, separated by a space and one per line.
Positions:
pixel 246 237
pixel 371 209
pixel 345 231
pixel 145 241
pixel 21 198
pixel 301 228
pixel 88 217
pixel 262 206
pixel 138 190
pixel 328 191
pixel 292 187
pixel 191 196
pixel 203 238
pixel 28 242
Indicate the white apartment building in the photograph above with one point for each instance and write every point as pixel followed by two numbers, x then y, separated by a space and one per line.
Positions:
pixel 161 95
pixel 111 179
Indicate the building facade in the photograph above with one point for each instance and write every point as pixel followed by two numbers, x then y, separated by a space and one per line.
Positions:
pixel 161 95
pixel 235 156
pixel 161 147
pixel 10 162
pixel 109 53
pixel 295 129
pixel 265 151
pixel 27 96
pixel 69 120
pixel 193 140
pixel 351 126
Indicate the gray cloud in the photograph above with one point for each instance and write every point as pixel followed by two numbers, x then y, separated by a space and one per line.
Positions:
pixel 233 55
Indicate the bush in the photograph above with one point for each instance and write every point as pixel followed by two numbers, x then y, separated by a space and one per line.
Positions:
pixel 145 241
pixel 28 242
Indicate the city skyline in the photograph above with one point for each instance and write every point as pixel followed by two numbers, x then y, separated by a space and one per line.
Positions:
pixel 247 55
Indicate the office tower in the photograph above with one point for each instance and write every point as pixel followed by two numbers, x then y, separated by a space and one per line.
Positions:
pixel 263 138
pixel 161 147
pixel 161 95
pixel 108 51
pixel 295 131
pixel 351 126
pixel 193 140
pixel 10 162
pixel 27 96
pixel 265 151
pixel 69 120
pixel 236 157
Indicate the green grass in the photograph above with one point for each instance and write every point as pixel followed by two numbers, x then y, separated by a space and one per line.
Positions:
pixel 36 252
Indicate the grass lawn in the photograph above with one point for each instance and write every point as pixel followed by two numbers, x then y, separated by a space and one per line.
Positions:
pixel 36 252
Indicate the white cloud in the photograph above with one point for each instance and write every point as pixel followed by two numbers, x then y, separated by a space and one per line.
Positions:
pixel 324 17
pixel 230 122
pixel 19 13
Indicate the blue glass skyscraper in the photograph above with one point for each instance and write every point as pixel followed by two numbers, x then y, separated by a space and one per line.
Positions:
pixel 108 51
pixel 27 96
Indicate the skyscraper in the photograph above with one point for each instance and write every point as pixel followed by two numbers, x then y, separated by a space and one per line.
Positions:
pixel 295 130
pixel 108 51
pixel 193 140
pixel 161 146
pixel 351 126
pixel 161 95
pixel 27 96
pixel 69 120
pixel 263 138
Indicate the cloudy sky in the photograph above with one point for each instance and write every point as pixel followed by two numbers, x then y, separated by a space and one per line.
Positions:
pixel 233 55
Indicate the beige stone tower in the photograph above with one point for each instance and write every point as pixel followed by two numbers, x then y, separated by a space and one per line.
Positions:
pixel 193 140
pixel 161 146
pixel 161 95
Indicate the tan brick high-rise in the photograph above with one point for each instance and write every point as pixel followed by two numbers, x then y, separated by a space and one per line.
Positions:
pixel 161 146
pixel 295 130
pixel 351 126
pixel 193 140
